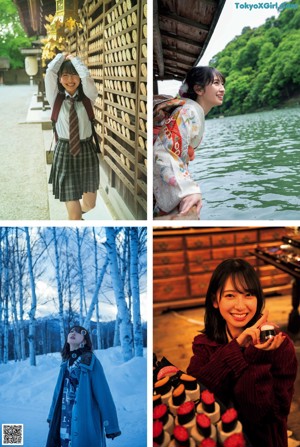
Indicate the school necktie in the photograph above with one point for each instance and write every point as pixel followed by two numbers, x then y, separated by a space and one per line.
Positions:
pixel 74 139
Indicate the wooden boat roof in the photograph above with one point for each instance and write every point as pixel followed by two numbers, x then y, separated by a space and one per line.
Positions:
pixel 181 32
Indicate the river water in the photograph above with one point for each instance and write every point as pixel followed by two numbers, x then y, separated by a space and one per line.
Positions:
pixel 248 167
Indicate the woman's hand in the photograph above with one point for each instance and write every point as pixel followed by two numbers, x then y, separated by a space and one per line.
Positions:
pixel 67 56
pixel 251 335
pixel 273 343
pixel 188 202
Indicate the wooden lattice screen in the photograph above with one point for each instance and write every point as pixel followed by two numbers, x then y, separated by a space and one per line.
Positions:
pixel 113 44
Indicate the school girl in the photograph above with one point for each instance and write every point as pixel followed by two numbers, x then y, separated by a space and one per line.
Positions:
pixel 229 358
pixel 177 137
pixel 75 171
pixel 82 411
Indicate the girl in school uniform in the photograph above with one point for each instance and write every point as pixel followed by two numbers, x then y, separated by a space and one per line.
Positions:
pixel 75 171
pixel 83 412
pixel 256 376
pixel 177 135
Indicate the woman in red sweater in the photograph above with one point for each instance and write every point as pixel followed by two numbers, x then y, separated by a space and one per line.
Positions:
pixel 257 378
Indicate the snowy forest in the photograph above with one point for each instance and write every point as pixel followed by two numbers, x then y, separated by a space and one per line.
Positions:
pixel 54 277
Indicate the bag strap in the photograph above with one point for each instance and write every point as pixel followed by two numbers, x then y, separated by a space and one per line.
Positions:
pixel 55 111
pixel 90 112
pixel 88 107
pixel 57 105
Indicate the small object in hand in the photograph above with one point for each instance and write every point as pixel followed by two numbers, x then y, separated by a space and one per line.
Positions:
pixel 267 331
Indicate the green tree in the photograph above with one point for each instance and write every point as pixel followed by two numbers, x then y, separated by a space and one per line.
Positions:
pixel 12 35
pixel 262 65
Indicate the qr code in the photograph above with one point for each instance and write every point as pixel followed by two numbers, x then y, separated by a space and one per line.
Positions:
pixel 12 434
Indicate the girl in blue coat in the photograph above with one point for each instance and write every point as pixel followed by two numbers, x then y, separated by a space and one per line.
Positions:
pixel 82 406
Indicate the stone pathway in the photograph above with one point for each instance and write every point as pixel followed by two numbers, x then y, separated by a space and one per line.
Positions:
pixel 23 184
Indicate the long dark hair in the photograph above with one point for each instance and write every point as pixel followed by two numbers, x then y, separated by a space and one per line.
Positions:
pixel 201 76
pixel 68 67
pixel 65 353
pixel 243 276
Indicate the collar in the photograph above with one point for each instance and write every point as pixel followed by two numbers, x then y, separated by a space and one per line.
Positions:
pixel 75 96
pixel 87 359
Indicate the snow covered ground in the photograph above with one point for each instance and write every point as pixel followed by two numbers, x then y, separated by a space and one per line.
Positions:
pixel 26 395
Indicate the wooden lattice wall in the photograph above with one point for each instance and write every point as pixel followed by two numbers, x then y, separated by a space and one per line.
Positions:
pixel 113 44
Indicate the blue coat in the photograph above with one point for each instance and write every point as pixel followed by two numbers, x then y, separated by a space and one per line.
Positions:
pixel 93 411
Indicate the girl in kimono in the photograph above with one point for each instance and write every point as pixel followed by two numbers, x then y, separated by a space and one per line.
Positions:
pixel 179 128
pixel 82 411
pixel 232 361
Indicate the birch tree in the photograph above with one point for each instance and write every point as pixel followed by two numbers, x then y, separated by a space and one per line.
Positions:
pixel 14 313
pixel 96 294
pixel 6 291
pixel 31 337
pixel 20 293
pixel 118 287
pixel 135 288
pixel 81 276
pixel 1 298
pixel 99 344
pixel 59 291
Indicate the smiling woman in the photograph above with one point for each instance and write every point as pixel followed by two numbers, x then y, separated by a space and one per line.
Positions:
pixel 75 171
pixel 256 376
pixel 179 128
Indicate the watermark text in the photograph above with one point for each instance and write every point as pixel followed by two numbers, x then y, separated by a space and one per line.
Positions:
pixel 266 5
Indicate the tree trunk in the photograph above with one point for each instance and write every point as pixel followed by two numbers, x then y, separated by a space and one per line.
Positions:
pixel 20 288
pixel 96 294
pixel 80 275
pixel 118 286
pixel 1 298
pixel 134 274
pixel 6 293
pixel 31 336
pixel 59 291
pixel 98 335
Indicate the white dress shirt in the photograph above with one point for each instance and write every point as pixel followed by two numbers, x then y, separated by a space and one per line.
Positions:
pixel 89 88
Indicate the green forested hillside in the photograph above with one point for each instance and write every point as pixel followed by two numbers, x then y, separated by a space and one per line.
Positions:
pixel 262 65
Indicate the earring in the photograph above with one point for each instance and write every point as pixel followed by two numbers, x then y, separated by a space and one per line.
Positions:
pixel 81 345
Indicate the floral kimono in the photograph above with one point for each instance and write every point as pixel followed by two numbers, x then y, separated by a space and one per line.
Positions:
pixel 178 131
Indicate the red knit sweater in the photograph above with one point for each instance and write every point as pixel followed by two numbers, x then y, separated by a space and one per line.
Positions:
pixel 258 383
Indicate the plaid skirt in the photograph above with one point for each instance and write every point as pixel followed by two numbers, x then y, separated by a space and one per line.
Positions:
pixel 72 176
